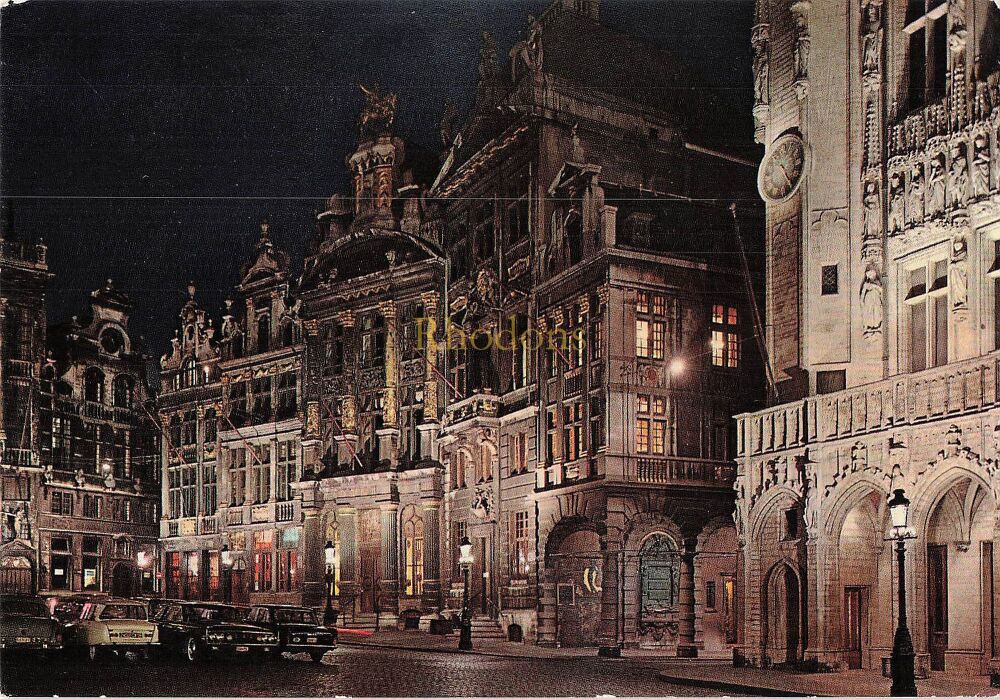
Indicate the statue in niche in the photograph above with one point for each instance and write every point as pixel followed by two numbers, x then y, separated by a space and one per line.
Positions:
pixel 935 185
pixel 915 201
pixel 897 198
pixel 958 275
pixel 872 54
pixel 981 164
pixel 872 303
pixel 802 41
pixel 760 72
pixel 958 184
pixel 872 214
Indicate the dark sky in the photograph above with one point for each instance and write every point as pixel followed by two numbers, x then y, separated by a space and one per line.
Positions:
pixel 145 141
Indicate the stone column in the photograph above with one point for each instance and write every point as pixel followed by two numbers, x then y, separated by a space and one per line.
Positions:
pixel 432 556
pixel 313 593
pixel 390 558
pixel 686 647
pixel 347 528
pixel 346 436
pixel 388 436
pixel 609 634
pixel 312 445
pixel 430 301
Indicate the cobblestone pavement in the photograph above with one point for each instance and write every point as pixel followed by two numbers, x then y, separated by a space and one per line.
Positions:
pixel 351 671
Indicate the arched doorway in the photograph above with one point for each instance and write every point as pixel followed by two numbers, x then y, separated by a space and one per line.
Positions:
pixel 579 581
pixel 865 581
pixel 960 614
pixel 123 580
pixel 659 590
pixel 782 618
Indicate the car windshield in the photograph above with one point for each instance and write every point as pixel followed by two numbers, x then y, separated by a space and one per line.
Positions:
pixel 25 607
pixel 123 611
pixel 214 613
pixel 295 616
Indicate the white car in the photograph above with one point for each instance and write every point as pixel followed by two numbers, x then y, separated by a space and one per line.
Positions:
pixel 112 625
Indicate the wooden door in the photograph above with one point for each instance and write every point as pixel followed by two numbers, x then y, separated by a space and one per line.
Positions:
pixel 937 603
pixel 853 615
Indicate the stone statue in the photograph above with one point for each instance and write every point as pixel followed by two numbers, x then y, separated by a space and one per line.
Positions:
pixel 760 72
pixel 915 201
pixel 958 184
pixel 529 51
pixel 872 51
pixel 379 108
pixel 935 185
pixel 872 306
pixel 981 164
pixel 872 214
pixel 447 125
pixel 897 199
pixel 801 49
pixel 958 275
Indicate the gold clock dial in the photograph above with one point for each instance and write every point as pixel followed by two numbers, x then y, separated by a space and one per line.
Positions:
pixel 782 169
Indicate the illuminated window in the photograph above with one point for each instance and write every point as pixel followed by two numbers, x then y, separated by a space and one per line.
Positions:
pixel 413 551
pixel 725 342
pixel 653 434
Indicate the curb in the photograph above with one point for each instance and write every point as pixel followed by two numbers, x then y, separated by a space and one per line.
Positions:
pixel 492 654
pixel 722 685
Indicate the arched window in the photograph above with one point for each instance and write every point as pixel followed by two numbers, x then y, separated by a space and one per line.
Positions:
pixel 93 385
pixel 264 333
pixel 659 565
pixel 413 550
pixel 190 373
pixel 121 391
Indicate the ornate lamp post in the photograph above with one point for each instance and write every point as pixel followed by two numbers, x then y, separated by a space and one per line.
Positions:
pixel 329 557
pixel 465 561
pixel 226 559
pixel 903 676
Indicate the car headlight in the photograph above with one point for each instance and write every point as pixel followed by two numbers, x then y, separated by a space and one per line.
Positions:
pixel 297 639
pixel 270 638
pixel 214 637
pixel 229 637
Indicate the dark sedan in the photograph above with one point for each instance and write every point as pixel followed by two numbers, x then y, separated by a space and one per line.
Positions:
pixel 298 628
pixel 196 629
pixel 27 625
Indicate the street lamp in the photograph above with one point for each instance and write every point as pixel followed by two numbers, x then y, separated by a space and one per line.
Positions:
pixel 330 557
pixel 903 676
pixel 143 560
pixel 465 561
pixel 226 559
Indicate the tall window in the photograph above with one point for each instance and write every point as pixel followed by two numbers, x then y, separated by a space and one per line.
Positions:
pixel 261 399
pixel 459 531
pixel 725 337
pixel 927 29
pixel 413 550
pixel 93 385
pixel 210 499
pixel 927 305
pixel 285 462
pixel 287 404
pixel 189 428
pixel 550 435
pixel 190 373
pixel 519 544
pixel 262 474
pixel 263 552
pixel 653 433
pixel 596 421
pixel 650 325
pixel 237 403
pixel 288 560
pixel 573 431
pixel 121 391
pixel 460 467
pixel 485 467
pixel 518 453
pixel 211 427
pixel 264 333
pixel 62 438
pixel 237 476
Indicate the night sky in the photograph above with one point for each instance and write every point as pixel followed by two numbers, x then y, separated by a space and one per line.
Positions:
pixel 145 141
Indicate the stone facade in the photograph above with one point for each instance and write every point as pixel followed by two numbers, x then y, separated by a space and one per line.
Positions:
pixel 879 175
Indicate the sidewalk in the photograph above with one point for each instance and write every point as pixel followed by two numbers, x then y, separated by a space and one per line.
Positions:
pixel 852 683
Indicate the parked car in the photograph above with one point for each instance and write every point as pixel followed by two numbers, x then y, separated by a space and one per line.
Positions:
pixel 67 608
pixel 113 625
pixel 298 628
pixel 26 624
pixel 196 629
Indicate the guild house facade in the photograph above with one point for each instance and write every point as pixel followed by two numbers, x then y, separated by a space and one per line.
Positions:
pixel 80 458
pixel 343 410
pixel 880 125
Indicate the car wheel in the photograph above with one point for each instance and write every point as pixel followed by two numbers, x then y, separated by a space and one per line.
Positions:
pixel 317 656
pixel 191 651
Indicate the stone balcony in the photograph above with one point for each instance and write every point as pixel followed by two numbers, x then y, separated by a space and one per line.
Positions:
pixel 479 405
pixel 947 391
pixel 674 470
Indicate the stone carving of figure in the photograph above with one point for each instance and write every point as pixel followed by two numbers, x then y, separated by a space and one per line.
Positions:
pixel 935 185
pixel 872 214
pixel 447 125
pixel 915 201
pixel 378 108
pixel 872 50
pixel 801 49
pixel 760 72
pixel 897 198
pixel 872 306
pixel 528 51
pixel 958 275
pixel 958 185
pixel 981 164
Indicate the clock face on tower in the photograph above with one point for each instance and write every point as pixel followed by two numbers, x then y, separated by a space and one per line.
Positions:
pixel 782 169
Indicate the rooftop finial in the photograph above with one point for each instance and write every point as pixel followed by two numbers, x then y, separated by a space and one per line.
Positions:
pixel 264 227
pixel 191 290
